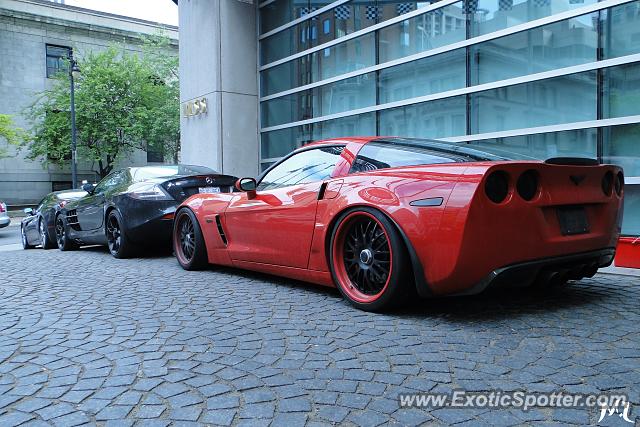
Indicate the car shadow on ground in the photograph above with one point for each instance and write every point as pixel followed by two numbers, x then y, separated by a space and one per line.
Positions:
pixel 492 304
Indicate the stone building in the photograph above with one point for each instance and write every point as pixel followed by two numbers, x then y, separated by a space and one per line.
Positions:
pixel 34 34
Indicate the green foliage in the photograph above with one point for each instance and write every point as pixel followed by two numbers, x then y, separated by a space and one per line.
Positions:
pixel 10 133
pixel 124 102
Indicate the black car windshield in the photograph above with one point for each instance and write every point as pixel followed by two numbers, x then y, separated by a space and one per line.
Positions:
pixel 151 172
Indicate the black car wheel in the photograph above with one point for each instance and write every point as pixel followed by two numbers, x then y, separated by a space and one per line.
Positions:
pixel 25 241
pixel 188 241
pixel 45 240
pixel 62 235
pixel 119 245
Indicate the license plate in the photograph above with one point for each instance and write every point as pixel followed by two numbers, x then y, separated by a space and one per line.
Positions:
pixel 208 189
pixel 573 220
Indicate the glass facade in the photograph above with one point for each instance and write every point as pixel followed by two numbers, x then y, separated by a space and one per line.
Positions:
pixel 542 78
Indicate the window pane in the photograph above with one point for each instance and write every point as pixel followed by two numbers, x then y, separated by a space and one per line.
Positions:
pixel 360 125
pixel 620 30
pixel 574 143
pixel 423 32
pixel 631 219
pixel 348 18
pixel 621 146
pixel 280 12
pixel 434 74
pixel 553 101
pixel 337 97
pixel 622 91
pixel 330 62
pixel 433 119
pixel 487 16
pixel 308 166
pixel 279 143
pixel 557 45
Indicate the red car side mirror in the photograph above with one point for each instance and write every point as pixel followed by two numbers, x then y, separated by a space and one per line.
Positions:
pixel 248 185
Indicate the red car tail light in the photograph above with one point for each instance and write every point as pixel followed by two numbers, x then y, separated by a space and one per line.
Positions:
pixel 3 207
pixel 619 184
pixel 607 183
pixel 527 185
pixel 497 186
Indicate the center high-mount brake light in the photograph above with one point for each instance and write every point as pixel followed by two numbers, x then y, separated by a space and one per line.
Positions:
pixel 497 186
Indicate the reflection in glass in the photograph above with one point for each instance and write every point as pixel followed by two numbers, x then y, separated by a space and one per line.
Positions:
pixel 574 143
pixel 622 91
pixel 342 58
pixel 280 12
pixel 427 31
pixel 360 125
pixel 487 16
pixel 433 119
pixel 620 30
pixel 439 73
pixel 557 45
pixel 343 95
pixel 621 146
pixel 631 221
pixel 553 101
pixel 279 143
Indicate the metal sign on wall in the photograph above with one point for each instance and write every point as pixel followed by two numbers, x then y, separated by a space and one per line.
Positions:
pixel 195 107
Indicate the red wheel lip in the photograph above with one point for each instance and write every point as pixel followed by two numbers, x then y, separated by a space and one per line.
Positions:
pixel 176 244
pixel 339 268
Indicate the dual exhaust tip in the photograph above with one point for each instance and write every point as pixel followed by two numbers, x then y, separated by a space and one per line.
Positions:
pixel 497 186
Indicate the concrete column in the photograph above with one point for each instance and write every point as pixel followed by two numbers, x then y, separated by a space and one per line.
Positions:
pixel 218 46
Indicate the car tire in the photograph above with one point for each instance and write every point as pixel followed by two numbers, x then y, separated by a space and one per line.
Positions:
pixel 45 240
pixel 369 262
pixel 62 235
pixel 25 241
pixel 188 241
pixel 117 241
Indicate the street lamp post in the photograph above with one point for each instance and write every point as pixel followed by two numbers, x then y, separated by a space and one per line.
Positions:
pixel 74 71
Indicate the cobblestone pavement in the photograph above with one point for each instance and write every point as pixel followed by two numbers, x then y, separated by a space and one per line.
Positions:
pixel 86 338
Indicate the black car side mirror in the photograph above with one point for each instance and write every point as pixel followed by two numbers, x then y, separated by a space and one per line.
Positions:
pixel 28 211
pixel 88 187
pixel 248 185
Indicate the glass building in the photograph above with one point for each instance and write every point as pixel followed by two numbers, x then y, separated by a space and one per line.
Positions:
pixel 545 78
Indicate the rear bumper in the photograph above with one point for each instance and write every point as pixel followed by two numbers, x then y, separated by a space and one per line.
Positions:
pixel 574 266
pixel 4 221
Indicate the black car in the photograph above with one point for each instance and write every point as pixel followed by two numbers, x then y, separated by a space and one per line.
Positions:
pixel 38 227
pixel 134 207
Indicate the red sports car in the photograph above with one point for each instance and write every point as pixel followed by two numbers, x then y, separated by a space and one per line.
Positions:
pixel 387 218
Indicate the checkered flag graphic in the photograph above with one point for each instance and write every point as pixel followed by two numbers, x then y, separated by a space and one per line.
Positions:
pixel 470 6
pixel 541 3
pixel 372 12
pixel 343 12
pixel 505 4
pixel 307 10
pixel 403 8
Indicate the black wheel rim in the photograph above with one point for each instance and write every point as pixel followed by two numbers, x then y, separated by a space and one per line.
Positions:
pixel 43 233
pixel 367 256
pixel 187 238
pixel 60 232
pixel 114 236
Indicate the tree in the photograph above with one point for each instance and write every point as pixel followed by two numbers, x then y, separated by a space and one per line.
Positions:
pixel 124 102
pixel 10 133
